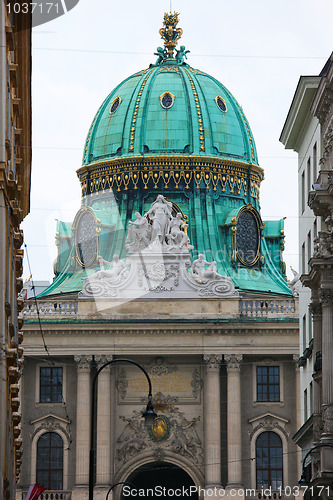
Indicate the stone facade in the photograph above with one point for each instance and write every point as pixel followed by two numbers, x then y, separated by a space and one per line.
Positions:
pixel 202 359
pixel 319 278
pixel 15 165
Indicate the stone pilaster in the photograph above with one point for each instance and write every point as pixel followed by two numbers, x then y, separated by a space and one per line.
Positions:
pixel 233 362
pixel 212 420
pixel 316 310
pixel 326 299
pixel 298 410
pixel 83 410
pixel 103 447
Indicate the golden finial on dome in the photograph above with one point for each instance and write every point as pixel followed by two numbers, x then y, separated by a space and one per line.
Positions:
pixel 170 33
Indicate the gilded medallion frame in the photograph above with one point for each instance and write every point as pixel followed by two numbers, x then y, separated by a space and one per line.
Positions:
pixel 224 102
pixel 172 97
pixel 112 103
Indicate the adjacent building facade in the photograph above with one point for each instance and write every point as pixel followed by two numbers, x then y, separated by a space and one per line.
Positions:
pixel 301 133
pixel 15 166
pixel 167 263
pixel 316 435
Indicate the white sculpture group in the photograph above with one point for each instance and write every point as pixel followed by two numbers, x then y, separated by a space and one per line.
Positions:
pixel 165 229
pixel 158 261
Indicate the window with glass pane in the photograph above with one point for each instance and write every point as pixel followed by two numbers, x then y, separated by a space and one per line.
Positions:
pixel 268 383
pixel 50 385
pixel 50 460
pixel 269 461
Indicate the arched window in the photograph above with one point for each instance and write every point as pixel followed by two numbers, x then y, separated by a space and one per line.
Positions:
pixel 269 460
pixel 50 460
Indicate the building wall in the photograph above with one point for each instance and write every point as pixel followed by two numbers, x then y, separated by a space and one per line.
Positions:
pixel 15 166
pixel 308 162
pixel 182 352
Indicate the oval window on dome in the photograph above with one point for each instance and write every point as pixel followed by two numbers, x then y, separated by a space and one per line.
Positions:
pixel 221 104
pixel 86 238
pixel 167 99
pixel 114 105
pixel 248 237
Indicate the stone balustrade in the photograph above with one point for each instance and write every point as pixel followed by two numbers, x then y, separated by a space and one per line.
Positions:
pixel 260 307
pixel 52 495
pixel 54 308
pixel 268 494
pixel 263 307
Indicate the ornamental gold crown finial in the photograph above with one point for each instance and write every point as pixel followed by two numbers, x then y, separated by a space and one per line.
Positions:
pixel 170 33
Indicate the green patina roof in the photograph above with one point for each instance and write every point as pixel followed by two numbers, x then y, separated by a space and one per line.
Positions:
pixel 141 126
pixel 193 129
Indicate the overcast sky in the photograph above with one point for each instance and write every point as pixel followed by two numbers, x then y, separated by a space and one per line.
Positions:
pixel 257 49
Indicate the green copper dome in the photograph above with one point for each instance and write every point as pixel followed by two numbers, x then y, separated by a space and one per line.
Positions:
pixel 168 109
pixel 173 131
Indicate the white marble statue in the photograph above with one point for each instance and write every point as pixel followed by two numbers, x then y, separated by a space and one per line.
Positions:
pixel 138 233
pixel 200 274
pixel 118 270
pixel 160 213
pixel 177 238
pixel 295 283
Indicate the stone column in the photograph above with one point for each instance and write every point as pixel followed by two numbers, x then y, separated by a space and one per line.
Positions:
pixel 298 411
pixel 212 420
pixel 315 308
pixel 103 443
pixel 233 362
pixel 83 410
pixel 326 299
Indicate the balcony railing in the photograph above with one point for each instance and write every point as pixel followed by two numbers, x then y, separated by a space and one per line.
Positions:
pixel 247 307
pixel 267 494
pixel 52 495
pixel 267 308
pixel 54 308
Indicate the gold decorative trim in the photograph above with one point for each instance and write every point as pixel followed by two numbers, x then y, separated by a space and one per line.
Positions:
pixel 135 114
pixel 224 101
pixel 248 131
pixel 112 103
pixel 127 173
pixel 201 129
pixel 172 97
pixel 168 69
pixel 198 71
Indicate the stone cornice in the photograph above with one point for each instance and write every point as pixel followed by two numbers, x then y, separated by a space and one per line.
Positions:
pixel 220 332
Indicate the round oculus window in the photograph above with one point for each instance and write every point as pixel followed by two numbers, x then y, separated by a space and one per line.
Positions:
pixel 221 104
pixel 86 239
pixel 114 105
pixel 167 100
pixel 247 238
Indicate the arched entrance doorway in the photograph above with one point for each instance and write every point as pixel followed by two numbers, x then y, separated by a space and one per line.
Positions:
pixel 158 481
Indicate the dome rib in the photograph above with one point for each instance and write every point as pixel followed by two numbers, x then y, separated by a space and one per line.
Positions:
pixel 207 112
pixel 194 124
pixel 190 117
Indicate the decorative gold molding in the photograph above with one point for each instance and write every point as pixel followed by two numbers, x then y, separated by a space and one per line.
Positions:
pixel 128 173
pixel 200 122
pixel 135 114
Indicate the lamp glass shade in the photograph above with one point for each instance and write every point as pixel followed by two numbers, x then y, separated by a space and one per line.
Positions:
pixel 149 415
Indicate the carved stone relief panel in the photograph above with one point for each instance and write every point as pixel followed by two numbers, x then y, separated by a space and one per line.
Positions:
pixel 182 382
